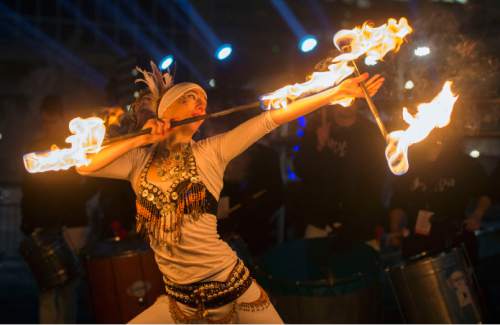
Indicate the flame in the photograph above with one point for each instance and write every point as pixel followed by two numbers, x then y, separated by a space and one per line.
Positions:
pixel 435 114
pixel 87 137
pixel 317 82
pixel 375 42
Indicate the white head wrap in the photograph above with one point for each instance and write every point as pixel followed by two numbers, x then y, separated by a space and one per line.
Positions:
pixel 162 92
pixel 175 92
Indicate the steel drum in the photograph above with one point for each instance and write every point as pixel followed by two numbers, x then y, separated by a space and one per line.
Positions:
pixel 124 279
pixel 436 289
pixel 49 258
pixel 311 281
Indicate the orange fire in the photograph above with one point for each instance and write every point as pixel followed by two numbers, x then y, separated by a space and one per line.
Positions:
pixel 375 42
pixel 318 81
pixel 87 137
pixel 435 114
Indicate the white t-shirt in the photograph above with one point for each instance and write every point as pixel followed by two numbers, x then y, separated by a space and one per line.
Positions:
pixel 201 254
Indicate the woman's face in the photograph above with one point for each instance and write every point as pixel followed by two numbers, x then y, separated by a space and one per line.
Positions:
pixel 188 105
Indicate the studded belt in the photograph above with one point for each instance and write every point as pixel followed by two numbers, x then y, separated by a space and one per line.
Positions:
pixel 211 294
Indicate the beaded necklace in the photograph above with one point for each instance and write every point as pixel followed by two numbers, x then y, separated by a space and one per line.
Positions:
pixel 161 214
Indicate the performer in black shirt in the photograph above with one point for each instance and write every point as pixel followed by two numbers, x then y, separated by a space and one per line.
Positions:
pixel 253 186
pixel 432 199
pixel 341 164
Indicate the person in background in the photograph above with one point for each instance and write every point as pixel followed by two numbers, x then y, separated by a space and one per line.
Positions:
pixel 56 202
pixel 116 199
pixel 341 164
pixel 441 201
pixel 252 193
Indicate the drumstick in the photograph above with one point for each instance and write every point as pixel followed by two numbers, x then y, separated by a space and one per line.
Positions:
pixel 253 197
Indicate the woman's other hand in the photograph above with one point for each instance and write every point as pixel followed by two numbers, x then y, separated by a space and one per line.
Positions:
pixel 352 87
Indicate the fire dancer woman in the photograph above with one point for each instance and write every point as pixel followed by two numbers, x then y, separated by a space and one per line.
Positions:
pixel 177 182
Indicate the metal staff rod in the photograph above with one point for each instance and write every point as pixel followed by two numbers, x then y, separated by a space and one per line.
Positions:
pixel 371 104
pixel 186 121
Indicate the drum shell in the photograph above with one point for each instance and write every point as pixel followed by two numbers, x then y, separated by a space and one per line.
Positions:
pixel 311 284
pixel 124 280
pixel 50 259
pixel 425 293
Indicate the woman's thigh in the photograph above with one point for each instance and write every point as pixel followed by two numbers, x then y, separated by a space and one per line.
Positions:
pixel 254 307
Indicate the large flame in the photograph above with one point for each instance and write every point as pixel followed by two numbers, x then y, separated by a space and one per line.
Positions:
pixel 87 137
pixel 435 114
pixel 375 42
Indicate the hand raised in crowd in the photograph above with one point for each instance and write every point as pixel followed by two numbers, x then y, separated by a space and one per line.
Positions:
pixel 396 156
pixel 159 131
pixel 351 87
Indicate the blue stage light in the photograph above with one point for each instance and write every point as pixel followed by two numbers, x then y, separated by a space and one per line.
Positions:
pixel 308 43
pixel 302 121
pixel 223 52
pixel 166 62
pixel 291 174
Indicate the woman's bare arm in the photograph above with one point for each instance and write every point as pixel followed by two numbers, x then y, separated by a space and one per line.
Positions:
pixel 159 132
pixel 348 88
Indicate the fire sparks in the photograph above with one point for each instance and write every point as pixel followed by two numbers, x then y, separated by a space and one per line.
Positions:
pixel 375 42
pixel 87 137
pixel 435 114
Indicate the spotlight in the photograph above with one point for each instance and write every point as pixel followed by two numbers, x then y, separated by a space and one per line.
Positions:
pixel 409 85
pixel 474 153
pixel 422 51
pixel 166 62
pixel 308 43
pixel 223 52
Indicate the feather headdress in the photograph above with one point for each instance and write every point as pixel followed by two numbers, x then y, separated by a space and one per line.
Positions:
pixel 158 83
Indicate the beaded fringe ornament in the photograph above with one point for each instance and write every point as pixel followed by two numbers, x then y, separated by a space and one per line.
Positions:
pixel 160 215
